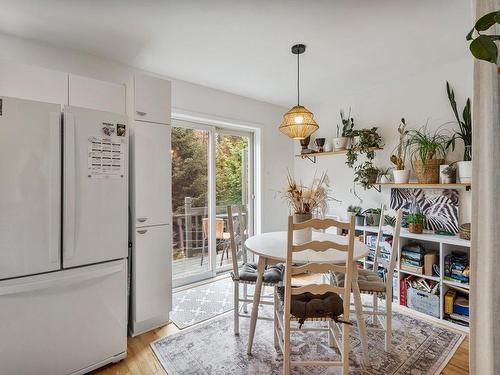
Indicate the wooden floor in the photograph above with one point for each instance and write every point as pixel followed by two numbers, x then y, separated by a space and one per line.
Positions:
pixel 142 361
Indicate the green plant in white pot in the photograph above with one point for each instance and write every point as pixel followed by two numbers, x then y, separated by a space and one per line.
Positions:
pixel 398 158
pixel 464 168
pixel 340 142
pixel 304 201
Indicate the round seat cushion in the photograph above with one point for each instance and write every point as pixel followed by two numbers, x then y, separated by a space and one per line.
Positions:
pixel 273 274
pixel 368 281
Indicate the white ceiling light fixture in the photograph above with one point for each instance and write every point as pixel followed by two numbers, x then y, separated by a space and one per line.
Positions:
pixel 298 122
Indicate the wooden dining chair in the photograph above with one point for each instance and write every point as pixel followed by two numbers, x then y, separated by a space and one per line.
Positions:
pixel 246 274
pixel 323 302
pixel 371 282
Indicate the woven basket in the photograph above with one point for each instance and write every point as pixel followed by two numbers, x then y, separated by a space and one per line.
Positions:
pixel 428 172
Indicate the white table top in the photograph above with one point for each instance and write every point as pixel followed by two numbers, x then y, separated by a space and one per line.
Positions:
pixel 273 245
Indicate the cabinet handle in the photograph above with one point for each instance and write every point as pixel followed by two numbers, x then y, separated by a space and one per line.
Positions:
pixel 142 231
pixel 141 113
pixel 141 219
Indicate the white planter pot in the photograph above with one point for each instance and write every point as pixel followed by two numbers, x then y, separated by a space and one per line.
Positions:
pixel 401 177
pixel 340 143
pixel 328 147
pixel 464 172
pixel 302 235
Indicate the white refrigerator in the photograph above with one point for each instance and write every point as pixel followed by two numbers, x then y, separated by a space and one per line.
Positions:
pixel 63 238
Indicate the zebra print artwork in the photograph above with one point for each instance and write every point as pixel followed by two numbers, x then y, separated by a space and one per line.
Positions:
pixel 439 206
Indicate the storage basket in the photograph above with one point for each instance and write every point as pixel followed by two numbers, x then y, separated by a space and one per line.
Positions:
pixel 427 172
pixel 423 302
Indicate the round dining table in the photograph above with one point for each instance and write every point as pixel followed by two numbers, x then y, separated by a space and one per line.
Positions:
pixel 271 248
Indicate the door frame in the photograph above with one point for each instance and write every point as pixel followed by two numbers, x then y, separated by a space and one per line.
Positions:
pixel 214 127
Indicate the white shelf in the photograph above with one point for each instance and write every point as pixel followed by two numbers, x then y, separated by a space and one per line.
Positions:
pixel 438 241
pixel 426 236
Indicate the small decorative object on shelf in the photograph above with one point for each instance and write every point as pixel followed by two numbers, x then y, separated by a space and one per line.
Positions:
pixel 303 201
pixel 305 146
pixel 340 142
pixel 356 211
pixel 415 222
pixel 320 142
pixel 427 150
pixel 401 174
pixel 447 174
pixel 384 176
pixel 465 134
pixel 464 231
pixel 372 216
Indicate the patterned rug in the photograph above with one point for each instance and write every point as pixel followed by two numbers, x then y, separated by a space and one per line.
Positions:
pixel 203 302
pixel 419 348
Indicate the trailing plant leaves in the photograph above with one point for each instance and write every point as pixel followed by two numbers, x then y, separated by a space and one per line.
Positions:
pixel 486 21
pixel 483 48
pixel 497 17
pixel 469 35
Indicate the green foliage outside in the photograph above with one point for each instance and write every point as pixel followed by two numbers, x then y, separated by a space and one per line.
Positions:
pixel 190 168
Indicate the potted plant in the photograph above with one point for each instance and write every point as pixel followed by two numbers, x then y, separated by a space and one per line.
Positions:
pixel 483 46
pixel 427 151
pixel 401 174
pixel 303 201
pixel 464 133
pixel 340 142
pixel 366 174
pixel 372 216
pixel 356 211
pixel 384 176
pixel 447 174
pixel 368 141
pixel 415 222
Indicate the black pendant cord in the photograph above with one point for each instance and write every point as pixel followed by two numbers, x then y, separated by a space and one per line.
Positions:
pixel 298 79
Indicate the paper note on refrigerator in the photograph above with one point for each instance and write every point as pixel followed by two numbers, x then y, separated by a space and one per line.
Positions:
pixel 106 157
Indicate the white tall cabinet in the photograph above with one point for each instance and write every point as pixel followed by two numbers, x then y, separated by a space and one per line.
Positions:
pixel 149 104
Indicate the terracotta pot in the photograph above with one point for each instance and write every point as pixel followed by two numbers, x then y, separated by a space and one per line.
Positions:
pixel 302 235
pixel 415 228
pixel 428 172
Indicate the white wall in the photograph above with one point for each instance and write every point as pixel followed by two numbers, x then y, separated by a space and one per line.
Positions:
pixel 187 98
pixel 418 97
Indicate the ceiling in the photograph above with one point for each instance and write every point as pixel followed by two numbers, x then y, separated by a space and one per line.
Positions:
pixel 243 47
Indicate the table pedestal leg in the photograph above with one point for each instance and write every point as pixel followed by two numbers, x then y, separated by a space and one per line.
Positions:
pixel 261 265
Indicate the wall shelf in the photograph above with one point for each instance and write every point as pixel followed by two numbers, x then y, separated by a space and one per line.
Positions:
pixel 416 185
pixel 313 155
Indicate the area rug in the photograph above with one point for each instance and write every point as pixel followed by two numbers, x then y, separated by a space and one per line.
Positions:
pixel 419 348
pixel 203 302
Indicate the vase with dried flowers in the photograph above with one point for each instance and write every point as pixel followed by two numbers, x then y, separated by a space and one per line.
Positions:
pixel 401 174
pixel 304 201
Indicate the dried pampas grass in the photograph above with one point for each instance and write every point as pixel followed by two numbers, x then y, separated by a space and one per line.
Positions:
pixel 307 199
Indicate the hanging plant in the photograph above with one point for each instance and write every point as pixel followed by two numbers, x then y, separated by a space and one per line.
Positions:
pixel 366 174
pixel 368 140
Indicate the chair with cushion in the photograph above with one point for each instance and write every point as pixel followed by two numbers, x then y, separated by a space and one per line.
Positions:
pixel 371 282
pixel 316 302
pixel 246 273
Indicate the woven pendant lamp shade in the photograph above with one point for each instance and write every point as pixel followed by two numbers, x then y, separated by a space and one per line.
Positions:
pixel 298 123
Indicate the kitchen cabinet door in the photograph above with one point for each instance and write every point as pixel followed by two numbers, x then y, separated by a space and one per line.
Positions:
pixel 152 98
pixel 150 174
pixel 152 275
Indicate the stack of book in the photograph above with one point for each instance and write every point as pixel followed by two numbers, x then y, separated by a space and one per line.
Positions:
pixel 412 258
pixel 456 267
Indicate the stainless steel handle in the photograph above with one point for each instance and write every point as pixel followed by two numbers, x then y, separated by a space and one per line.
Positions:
pixel 142 231
pixel 141 113
pixel 141 219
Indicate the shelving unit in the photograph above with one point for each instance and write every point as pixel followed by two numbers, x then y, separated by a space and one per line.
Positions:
pixel 443 245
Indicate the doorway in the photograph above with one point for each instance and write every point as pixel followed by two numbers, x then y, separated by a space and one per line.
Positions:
pixel 212 168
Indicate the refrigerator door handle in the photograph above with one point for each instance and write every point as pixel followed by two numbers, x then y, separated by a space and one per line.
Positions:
pixel 69 223
pixel 142 231
pixel 60 281
pixel 142 219
pixel 55 191
pixel 141 113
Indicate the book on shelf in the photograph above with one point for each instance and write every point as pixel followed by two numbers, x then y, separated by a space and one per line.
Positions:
pixel 413 269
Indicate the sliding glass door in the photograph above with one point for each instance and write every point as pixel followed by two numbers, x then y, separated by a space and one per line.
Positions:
pixel 211 169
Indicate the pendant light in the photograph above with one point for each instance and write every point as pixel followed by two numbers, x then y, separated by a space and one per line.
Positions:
pixel 298 122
